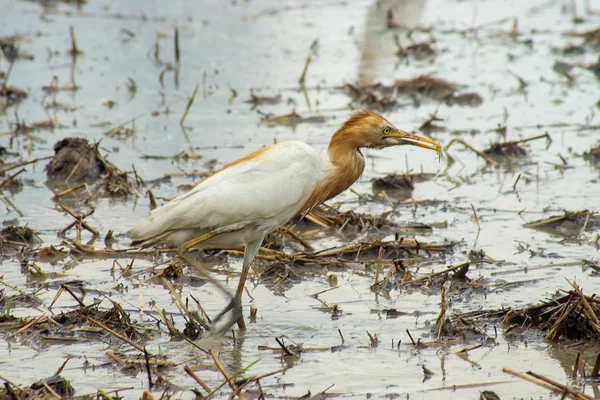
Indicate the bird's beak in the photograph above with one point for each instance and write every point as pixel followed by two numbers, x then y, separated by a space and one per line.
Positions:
pixel 415 140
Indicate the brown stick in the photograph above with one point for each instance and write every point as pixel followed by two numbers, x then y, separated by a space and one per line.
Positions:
pixel 10 178
pixel 3 171
pixel 195 377
pixel 79 219
pixel 569 390
pixel 545 383
pixel 468 146
pixel 587 308
pixel 115 334
pixel 229 380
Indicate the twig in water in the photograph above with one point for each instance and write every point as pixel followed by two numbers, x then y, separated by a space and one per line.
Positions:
pixel 476 218
pixel 177 52
pixel 10 178
pixel 516 181
pixel 303 76
pixel 189 105
pixel 596 368
pixel 79 219
pixel 115 334
pixel 147 358
pixel 195 377
pixel 411 338
pixel 548 384
pixel 440 319
pixel 341 336
pixel 74 189
pixel 3 171
pixel 488 160
pixel 576 365
pixel 229 380
pixel 74 49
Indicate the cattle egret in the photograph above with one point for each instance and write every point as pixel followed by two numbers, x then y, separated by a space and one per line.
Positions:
pixel 255 195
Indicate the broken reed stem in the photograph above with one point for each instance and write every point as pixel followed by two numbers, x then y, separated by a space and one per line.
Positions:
pixel 73 189
pixel 28 325
pixel 10 178
pixel 177 52
pixel 306 64
pixel 195 377
pixel 468 146
pixel 548 384
pixel 189 105
pixel 74 49
pixel 476 218
pixel 284 347
pixel 229 380
pixel 115 334
pixel 587 308
pixel 5 170
pixel 434 274
pixel 411 338
pixel 79 219
pixel 440 319
pixel 379 256
pixel 147 359
pixel 65 287
pixel 576 365
pixel 341 336
pixel 564 389
pixel 545 135
pixel 256 378
pixel 516 181
pixel 324 291
pixel 596 368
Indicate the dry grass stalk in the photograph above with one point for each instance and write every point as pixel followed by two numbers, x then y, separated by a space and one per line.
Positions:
pixel 488 160
pixel 228 379
pixel 115 334
pixel 195 377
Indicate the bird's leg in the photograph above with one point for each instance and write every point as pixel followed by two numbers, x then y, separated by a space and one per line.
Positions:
pixel 250 250
pixel 235 304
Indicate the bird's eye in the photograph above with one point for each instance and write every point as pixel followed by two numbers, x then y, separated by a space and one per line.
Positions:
pixel 386 130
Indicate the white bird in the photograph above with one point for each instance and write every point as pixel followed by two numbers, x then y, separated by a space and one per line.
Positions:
pixel 255 195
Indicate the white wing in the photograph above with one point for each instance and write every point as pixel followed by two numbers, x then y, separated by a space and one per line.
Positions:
pixel 266 188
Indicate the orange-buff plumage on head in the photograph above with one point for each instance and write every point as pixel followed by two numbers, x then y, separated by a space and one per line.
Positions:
pixel 364 129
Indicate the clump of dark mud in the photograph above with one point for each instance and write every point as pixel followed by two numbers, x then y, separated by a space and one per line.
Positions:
pixel 398 186
pixel 380 96
pixel 9 96
pixel 14 238
pixel 569 224
pixel 507 150
pixel 292 119
pixel 76 161
pixel 593 154
pixel 48 388
pixel 57 383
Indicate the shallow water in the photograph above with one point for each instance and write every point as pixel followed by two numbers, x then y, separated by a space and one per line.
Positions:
pixel 262 47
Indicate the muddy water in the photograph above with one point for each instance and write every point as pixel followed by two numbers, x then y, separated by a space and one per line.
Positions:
pixel 261 47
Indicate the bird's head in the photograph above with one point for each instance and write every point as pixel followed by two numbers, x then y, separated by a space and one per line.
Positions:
pixel 371 130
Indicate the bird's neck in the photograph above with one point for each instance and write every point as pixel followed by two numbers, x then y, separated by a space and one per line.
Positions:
pixel 346 165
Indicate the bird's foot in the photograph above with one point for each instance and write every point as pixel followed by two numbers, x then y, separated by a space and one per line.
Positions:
pixel 234 309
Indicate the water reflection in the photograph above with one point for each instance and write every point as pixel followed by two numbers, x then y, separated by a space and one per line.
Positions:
pixel 378 54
